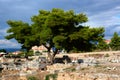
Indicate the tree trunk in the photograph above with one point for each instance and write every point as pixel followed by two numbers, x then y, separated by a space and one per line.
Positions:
pixel 52 56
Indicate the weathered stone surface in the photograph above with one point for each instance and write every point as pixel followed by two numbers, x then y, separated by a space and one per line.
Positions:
pixel 87 76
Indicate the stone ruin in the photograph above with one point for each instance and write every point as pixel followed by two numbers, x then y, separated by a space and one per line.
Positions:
pixel 39 63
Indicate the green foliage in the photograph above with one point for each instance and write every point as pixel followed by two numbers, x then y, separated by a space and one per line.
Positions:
pixel 84 68
pixel 22 54
pixel 56 25
pixel 102 46
pixel 85 38
pixel 2 50
pixel 58 28
pixel 30 53
pixel 37 53
pixel 115 42
pixel 106 55
pixel 59 41
pixel 19 31
pixel 97 66
pixel 32 78
pixel 53 76
pixel 70 69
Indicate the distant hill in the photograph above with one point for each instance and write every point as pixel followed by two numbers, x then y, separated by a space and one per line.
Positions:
pixel 11 49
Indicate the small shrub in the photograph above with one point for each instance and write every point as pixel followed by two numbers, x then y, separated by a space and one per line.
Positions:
pixel 84 68
pixel 53 76
pixel 73 69
pixel 22 54
pixel 106 55
pixel 37 53
pixel 97 65
pixel 32 78
pixel 70 69
pixel 30 53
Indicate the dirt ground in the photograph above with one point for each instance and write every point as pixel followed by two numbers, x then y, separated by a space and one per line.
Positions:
pixel 107 68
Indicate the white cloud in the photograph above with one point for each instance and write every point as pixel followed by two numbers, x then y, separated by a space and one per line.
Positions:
pixel 100 12
pixel 106 18
pixel 7 43
pixel 3 32
pixel 113 21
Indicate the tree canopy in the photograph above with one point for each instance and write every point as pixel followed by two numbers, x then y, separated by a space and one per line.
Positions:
pixel 3 50
pixel 115 42
pixel 56 28
pixel 103 46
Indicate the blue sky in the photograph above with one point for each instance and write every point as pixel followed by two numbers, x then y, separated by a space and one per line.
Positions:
pixel 105 13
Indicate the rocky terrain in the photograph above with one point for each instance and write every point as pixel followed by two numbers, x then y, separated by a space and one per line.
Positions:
pixel 93 66
pixel 83 66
